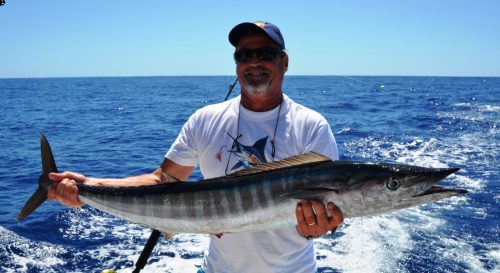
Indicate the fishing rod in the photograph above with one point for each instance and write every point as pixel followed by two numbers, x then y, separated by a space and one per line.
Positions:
pixel 231 87
pixel 155 234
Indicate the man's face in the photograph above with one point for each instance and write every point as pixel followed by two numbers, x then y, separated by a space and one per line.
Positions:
pixel 260 77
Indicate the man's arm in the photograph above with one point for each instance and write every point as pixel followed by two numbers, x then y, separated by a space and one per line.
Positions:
pixel 64 187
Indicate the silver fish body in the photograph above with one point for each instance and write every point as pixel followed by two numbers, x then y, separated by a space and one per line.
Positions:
pixel 264 197
pixel 261 200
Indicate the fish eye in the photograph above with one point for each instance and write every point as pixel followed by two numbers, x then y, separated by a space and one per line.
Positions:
pixel 393 184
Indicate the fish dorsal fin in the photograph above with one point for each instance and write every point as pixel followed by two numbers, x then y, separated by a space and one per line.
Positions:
pixel 310 157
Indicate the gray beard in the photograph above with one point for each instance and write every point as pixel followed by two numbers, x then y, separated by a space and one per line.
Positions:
pixel 256 89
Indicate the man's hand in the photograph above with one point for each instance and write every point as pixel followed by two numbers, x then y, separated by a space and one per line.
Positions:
pixel 64 188
pixel 313 220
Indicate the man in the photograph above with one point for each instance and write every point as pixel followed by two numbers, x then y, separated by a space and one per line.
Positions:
pixel 261 125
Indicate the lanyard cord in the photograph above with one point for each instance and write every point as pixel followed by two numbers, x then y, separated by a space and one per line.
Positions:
pixel 273 150
pixel 273 145
pixel 234 139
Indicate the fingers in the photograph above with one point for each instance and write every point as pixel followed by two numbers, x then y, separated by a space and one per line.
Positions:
pixel 336 216
pixel 64 188
pixel 67 192
pixel 309 214
pixel 58 177
pixel 313 218
pixel 301 220
pixel 307 224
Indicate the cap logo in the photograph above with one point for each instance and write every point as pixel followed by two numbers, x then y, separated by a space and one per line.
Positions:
pixel 260 24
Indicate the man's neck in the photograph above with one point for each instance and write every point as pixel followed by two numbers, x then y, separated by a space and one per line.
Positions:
pixel 261 103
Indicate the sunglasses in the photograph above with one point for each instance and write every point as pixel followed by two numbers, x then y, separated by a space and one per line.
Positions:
pixel 266 54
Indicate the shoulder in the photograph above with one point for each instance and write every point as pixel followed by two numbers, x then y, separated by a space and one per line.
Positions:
pixel 217 109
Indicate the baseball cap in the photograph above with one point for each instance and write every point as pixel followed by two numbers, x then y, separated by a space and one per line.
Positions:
pixel 246 28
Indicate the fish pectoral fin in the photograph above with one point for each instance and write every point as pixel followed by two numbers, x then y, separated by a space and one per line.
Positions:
pixel 310 194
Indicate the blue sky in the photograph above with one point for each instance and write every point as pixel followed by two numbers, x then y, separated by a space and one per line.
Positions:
pixel 61 38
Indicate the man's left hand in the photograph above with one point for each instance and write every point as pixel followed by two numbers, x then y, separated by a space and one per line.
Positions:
pixel 313 220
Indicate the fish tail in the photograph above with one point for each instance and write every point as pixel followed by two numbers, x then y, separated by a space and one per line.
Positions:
pixel 40 195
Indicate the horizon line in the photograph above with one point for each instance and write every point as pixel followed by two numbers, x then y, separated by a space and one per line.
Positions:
pixel 294 75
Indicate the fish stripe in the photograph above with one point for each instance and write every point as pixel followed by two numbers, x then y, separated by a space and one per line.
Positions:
pixel 261 194
pixel 218 196
pixel 188 205
pixel 231 200
pixel 246 198
pixel 207 209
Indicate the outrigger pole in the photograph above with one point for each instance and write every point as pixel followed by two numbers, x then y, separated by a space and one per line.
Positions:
pixel 155 234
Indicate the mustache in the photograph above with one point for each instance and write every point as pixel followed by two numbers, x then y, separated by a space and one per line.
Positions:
pixel 256 69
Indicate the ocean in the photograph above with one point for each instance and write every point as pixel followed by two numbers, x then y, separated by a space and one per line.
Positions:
pixel 115 127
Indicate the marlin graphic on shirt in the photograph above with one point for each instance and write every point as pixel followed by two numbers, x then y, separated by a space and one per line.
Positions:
pixel 248 156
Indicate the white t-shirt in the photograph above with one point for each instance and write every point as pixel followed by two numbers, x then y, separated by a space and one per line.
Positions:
pixel 226 137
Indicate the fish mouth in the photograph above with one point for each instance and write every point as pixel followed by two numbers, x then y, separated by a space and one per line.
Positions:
pixel 425 182
pixel 439 190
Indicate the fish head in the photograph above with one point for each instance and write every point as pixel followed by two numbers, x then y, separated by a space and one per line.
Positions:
pixel 412 185
pixel 380 187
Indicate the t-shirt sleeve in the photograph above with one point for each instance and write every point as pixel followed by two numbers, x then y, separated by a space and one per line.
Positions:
pixel 322 141
pixel 184 149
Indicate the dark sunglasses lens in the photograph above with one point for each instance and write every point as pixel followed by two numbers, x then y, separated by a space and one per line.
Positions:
pixel 266 54
pixel 243 56
pixel 262 54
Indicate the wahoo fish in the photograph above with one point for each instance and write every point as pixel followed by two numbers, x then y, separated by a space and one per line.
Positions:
pixel 260 198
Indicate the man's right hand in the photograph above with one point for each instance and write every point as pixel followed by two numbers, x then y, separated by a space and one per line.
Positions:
pixel 64 188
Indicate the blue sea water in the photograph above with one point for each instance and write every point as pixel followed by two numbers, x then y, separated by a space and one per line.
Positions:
pixel 114 127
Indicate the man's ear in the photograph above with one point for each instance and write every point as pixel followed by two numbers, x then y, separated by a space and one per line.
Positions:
pixel 285 62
